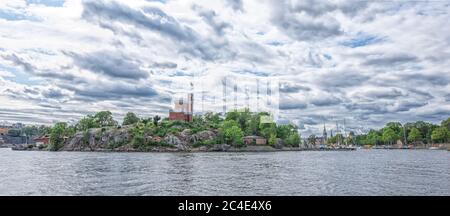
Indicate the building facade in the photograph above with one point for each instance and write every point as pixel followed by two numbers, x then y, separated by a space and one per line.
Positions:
pixel 183 109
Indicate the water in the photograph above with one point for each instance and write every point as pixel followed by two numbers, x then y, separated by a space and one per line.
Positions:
pixel 362 172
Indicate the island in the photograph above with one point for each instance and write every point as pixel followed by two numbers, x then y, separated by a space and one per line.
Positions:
pixel 235 131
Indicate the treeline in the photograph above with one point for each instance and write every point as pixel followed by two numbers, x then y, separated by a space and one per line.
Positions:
pixel 245 123
pixel 230 129
pixel 29 131
pixel 419 132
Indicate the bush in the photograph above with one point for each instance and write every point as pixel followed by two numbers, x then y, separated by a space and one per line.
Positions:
pixel 160 131
pixel 138 141
pixel 292 140
pixel 173 130
pixel 86 138
pixel 272 140
pixel 195 129
pixel 114 145
pixel 208 143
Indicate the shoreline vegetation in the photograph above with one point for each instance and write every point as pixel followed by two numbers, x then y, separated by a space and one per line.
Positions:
pixel 212 132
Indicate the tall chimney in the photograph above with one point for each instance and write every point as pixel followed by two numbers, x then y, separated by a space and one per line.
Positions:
pixel 191 103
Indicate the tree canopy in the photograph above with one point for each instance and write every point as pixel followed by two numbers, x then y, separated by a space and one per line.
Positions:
pixel 130 118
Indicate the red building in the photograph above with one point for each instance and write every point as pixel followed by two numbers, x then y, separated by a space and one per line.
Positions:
pixel 183 109
pixel 43 140
pixel 180 116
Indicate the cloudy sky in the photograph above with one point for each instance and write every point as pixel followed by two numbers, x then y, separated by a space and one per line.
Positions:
pixel 368 62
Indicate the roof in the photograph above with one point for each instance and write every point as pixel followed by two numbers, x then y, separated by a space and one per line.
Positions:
pixel 41 138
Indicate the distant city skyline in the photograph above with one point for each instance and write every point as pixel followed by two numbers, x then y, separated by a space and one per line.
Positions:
pixel 368 62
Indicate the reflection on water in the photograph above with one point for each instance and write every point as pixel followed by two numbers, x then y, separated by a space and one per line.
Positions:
pixel 362 172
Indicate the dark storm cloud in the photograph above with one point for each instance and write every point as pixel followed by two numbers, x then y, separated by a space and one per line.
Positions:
pixel 311 120
pixel 31 90
pixel 379 107
pixel 30 68
pixel 304 29
pixel 421 94
pixel 367 107
pixel 211 18
pixel 57 75
pixel 292 88
pixel 35 94
pixel 314 22
pixel 426 79
pixel 112 91
pixel 447 97
pixel 53 93
pixel 318 8
pixel 325 101
pixel 389 60
pixel 438 113
pixel 48 105
pixel 165 65
pixel 135 36
pixel 16 94
pixel 237 5
pixel 113 64
pixel 18 61
pixel 291 104
pixel 407 105
pixel 156 20
pixel 383 93
pixel 343 78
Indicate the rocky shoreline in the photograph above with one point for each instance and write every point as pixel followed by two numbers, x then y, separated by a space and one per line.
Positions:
pixel 120 139
pixel 213 149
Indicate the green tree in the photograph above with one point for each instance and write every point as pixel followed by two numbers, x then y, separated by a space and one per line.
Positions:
pixel 268 129
pixel 213 120
pixel 138 141
pixel 156 119
pixel 361 139
pixel 395 126
pixel 104 119
pixel 232 115
pixel 44 130
pixel 57 136
pixel 29 131
pixel 283 131
pixel 293 139
pixel 414 135
pixel 272 140
pixel 86 123
pixel 230 132
pixel 253 127
pixel 425 129
pixel 389 135
pixel 234 135
pixel 446 123
pixel 242 117
pixel 440 134
pixel 130 118
pixel 14 132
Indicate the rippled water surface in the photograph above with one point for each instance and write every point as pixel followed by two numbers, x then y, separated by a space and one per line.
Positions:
pixel 362 172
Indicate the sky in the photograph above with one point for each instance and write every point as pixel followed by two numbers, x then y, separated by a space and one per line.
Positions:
pixel 365 62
